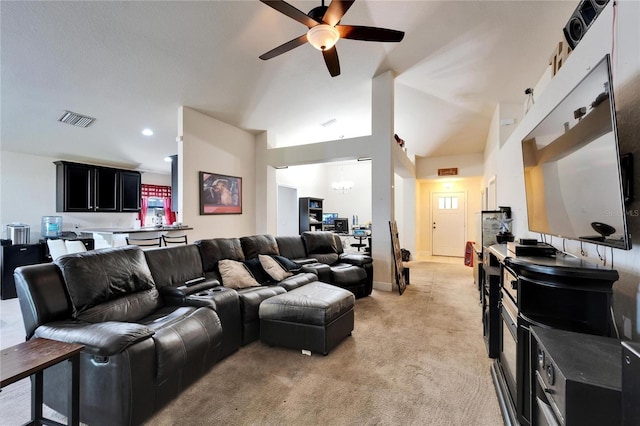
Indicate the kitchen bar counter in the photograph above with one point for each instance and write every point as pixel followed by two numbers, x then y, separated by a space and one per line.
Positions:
pixel 114 237
pixel 135 230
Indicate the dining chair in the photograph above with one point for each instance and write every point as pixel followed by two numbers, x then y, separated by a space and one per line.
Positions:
pixel 57 248
pixel 145 242
pixel 75 246
pixel 175 239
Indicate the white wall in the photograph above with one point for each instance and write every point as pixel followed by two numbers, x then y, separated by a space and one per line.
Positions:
pixel 210 145
pixel 314 180
pixel 506 161
pixel 28 192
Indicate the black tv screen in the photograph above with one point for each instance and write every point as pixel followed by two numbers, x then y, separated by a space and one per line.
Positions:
pixel 572 167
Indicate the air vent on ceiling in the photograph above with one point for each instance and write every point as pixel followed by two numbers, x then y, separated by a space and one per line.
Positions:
pixel 328 123
pixel 76 119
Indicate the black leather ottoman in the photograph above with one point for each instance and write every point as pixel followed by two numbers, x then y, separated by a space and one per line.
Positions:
pixel 315 317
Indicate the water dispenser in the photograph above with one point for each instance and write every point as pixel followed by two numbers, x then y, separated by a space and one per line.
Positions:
pixel 51 226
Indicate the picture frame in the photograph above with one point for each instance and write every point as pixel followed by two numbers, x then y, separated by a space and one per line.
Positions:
pixel 220 194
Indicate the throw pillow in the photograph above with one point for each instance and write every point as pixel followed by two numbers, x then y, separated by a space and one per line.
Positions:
pixel 286 263
pixel 235 274
pixel 256 269
pixel 273 268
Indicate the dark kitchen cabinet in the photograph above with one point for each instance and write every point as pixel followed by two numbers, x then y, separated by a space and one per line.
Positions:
pixel 130 184
pixel 73 187
pixel 87 188
pixel 106 189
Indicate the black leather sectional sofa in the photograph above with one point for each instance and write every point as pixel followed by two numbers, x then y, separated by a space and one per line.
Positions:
pixel 155 321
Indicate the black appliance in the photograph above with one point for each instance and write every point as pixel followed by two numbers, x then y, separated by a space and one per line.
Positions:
pixel 576 378
pixel 537 249
pixel 341 225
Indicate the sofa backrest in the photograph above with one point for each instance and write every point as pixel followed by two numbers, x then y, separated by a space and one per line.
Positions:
pixel 254 245
pixel 113 284
pixel 322 246
pixel 42 295
pixel 174 265
pixel 291 247
pixel 215 249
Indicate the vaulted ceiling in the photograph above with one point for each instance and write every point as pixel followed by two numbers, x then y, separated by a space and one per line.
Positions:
pixel 131 65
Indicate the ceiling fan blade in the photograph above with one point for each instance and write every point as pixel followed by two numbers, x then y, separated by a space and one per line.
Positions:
pixel 336 11
pixel 356 32
pixel 283 48
pixel 331 59
pixel 291 12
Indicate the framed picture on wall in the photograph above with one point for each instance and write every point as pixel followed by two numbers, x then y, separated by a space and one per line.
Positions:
pixel 220 194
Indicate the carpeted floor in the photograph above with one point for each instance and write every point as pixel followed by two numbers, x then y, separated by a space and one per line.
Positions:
pixel 415 359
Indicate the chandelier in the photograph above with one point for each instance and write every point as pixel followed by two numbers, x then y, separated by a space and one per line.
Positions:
pixel 342 186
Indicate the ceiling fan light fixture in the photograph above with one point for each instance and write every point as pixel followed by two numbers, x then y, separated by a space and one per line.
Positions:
pixel 323 36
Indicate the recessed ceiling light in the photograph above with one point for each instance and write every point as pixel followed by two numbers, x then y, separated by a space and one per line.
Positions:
pixel 167 159
pixel 147 132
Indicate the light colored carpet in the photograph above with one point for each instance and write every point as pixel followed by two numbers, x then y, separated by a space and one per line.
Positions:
pixel 415 359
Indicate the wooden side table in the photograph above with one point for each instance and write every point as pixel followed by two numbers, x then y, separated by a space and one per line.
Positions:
pixel 30 359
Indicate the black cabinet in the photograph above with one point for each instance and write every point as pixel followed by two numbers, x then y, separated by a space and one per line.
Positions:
pixel 86 188
pixel 490 299
pixel 130 183
pixel 553 292
pixel 310 218
pixel 106 189
pixel 74 190
pixel 12 257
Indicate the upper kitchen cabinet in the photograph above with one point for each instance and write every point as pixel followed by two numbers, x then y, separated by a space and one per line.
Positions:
pixel 130 183
pixel 87 188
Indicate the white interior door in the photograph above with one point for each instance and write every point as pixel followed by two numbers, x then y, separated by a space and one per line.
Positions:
pixel 287 211
pixel 448 223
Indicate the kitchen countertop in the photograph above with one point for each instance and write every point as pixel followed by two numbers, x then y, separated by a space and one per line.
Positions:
pixel 133 231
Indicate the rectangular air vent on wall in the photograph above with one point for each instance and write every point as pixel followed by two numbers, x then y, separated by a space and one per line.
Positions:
pixel 76 119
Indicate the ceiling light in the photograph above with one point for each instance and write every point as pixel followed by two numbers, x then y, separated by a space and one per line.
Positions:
pixel 323 36
pixel 167 159
pixel 147 132
pixel 342 186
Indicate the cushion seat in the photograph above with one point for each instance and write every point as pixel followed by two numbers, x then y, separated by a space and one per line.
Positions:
pixel 315 317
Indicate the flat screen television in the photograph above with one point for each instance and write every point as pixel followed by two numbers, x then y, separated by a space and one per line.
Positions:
pixel 328 218
pixel 572 171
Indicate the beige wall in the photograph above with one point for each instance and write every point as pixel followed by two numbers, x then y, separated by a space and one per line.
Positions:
pixel 210 145
pixel 424 188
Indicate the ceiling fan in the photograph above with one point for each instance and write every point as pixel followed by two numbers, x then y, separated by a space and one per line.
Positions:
pixel 324 30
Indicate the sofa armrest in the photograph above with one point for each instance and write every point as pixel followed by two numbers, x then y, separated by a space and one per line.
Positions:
pixel 355 259
pixel 189 288
pixel 104 339
pixel 305 261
